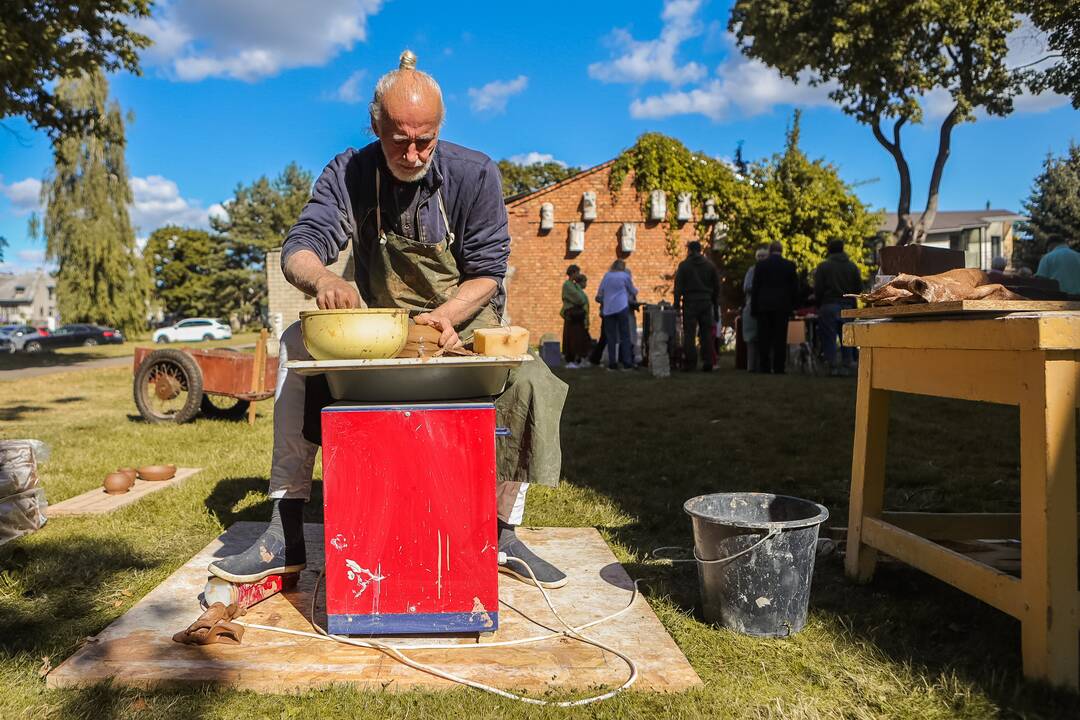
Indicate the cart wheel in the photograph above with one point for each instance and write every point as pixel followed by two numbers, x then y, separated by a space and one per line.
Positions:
pixel 223 406
pixel 168 387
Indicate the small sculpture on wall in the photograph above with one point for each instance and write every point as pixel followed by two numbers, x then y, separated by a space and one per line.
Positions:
pixel 710 211
pixel 547 216
pixel 588 205
pixel 685 212
pixel 657 205
pixel 720 236
pixel 628 237
pixel 577 237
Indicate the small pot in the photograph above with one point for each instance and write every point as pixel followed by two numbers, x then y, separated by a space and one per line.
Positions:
pixel 155 473
pixel 130 472
pixel 116 483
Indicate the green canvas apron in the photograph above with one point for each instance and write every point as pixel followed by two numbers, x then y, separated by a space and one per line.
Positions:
pixel 419 276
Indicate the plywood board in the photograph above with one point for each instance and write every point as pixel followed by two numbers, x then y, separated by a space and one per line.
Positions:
pixel 962 307
pixel 98 501
pixel 137 649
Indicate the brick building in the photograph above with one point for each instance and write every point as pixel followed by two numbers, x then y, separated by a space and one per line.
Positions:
pixel 538 258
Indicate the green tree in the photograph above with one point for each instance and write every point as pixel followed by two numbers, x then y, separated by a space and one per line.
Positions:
pixel 880 59
pixel 3 244
pixel 802 203
pixel 518 179
pixel 183 263
pixel 42 41
pixel 1053 208
pixel 1061 22
pixel 258 218
pixel 100 276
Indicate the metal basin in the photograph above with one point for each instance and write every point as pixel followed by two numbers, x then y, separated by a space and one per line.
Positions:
pixel 357 334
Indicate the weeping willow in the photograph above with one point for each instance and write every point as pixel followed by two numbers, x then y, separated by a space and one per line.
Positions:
pixel 101 277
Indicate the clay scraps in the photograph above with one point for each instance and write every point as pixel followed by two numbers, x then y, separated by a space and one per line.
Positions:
pixel 214 626
pixel 423 342
pixel 961 284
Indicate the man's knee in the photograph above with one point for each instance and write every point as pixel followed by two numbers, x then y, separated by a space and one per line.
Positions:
pixel 291 344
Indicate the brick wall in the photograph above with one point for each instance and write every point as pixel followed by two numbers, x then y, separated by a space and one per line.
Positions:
pixel 538 260
pixel 286 300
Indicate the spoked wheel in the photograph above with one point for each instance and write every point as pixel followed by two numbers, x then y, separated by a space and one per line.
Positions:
pixel 223 406
pixel 168 387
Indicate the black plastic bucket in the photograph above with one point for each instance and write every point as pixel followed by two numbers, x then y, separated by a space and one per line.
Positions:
pixel 755 554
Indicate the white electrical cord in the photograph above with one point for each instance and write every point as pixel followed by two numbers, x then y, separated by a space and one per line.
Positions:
pixel 773 532
pixel 395 652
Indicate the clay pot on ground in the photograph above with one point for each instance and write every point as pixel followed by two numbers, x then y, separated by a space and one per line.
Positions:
pixel 130 472
pixel 155 473
pixel 116 483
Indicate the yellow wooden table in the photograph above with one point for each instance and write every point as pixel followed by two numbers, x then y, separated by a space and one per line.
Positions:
pixel 1031 360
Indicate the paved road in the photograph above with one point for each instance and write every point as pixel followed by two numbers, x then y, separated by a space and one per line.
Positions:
pixel 95 364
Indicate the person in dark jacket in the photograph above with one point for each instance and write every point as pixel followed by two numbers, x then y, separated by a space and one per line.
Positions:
pixel 834 278
pixel 773 298
pixel 428 232
pixel 697 293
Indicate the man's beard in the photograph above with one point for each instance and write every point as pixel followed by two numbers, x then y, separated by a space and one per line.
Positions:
pixel 413 176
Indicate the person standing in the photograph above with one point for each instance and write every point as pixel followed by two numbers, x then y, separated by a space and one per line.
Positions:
pixel 697 293
pixel 1062 263
pixel 749 323
pixel 615 294
pixel 773 297
pixel 575 313
pixel 835 278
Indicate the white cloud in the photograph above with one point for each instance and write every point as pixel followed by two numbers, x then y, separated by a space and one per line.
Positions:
pixel 158 202
pixel 24 195
pixel 534 158
pixel 640 61
pixel 252 39
pixel 493 96
pixel 35 257
pixel 741 87
pixel 351 91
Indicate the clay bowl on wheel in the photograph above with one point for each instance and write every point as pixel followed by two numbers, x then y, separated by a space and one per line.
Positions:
pixel 360 334
pixel 130 473
pixel 154 473
pixel 116 483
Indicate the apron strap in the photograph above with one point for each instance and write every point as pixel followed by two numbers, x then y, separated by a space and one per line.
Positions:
pixel 378 212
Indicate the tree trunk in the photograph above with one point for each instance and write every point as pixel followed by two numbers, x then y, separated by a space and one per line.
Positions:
pixel 904 231
pixel 926 220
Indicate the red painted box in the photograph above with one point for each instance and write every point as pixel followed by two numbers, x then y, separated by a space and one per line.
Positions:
pixel 410 518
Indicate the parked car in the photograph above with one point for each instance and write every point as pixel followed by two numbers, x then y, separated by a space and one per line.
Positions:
pixel 14 337
pixel 72 335
pixel 193 330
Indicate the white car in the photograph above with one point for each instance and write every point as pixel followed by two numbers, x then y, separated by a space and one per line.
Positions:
pixel 192 330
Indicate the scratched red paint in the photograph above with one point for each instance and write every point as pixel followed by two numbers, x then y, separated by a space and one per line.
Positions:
pixel 409 509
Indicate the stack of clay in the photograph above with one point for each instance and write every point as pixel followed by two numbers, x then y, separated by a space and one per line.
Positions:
pixel 962 284
pixel 22 499
pixel 423 342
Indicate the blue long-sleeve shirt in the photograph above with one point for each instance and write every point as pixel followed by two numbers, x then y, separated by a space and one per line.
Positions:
pixel 616 292
pixel 342 210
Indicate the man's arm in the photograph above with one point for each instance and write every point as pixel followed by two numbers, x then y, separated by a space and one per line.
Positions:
pixel 305 270
pixel 679 280
pixel 469 299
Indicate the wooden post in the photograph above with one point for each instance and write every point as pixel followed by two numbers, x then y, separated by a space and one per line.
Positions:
pixel 258 373
pixel 1048 519
pixel 867 468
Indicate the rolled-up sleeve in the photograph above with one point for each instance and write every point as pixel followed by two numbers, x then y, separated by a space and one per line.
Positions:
pixel 485 247
pixel 326 222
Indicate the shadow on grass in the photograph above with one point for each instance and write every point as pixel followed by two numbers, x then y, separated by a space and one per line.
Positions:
pixel 12 413
pixel 22 361
pixel 228 492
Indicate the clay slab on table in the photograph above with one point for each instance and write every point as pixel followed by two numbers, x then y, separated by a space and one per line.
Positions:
pixel 137 649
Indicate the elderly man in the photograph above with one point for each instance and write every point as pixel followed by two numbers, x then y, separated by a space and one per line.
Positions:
pixel 428 230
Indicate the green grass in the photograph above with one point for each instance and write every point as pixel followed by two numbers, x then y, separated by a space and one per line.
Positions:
pixel 905 646
pixel 72 355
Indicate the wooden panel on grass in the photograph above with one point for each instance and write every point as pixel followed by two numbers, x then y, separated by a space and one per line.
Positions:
pixel 98 501
pixel 137 649
pixel 961 307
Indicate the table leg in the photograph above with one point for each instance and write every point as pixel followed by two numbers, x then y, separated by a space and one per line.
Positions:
pixel 1048 520
pixel 867 468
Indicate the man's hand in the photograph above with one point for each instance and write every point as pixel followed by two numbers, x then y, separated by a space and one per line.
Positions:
pixel 334 293
pixel 449 338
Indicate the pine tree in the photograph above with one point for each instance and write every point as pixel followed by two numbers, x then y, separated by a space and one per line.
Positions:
pixel 1053 209
pixel 88 233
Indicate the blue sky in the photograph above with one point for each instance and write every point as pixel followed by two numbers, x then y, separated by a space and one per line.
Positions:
pixel 235 90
